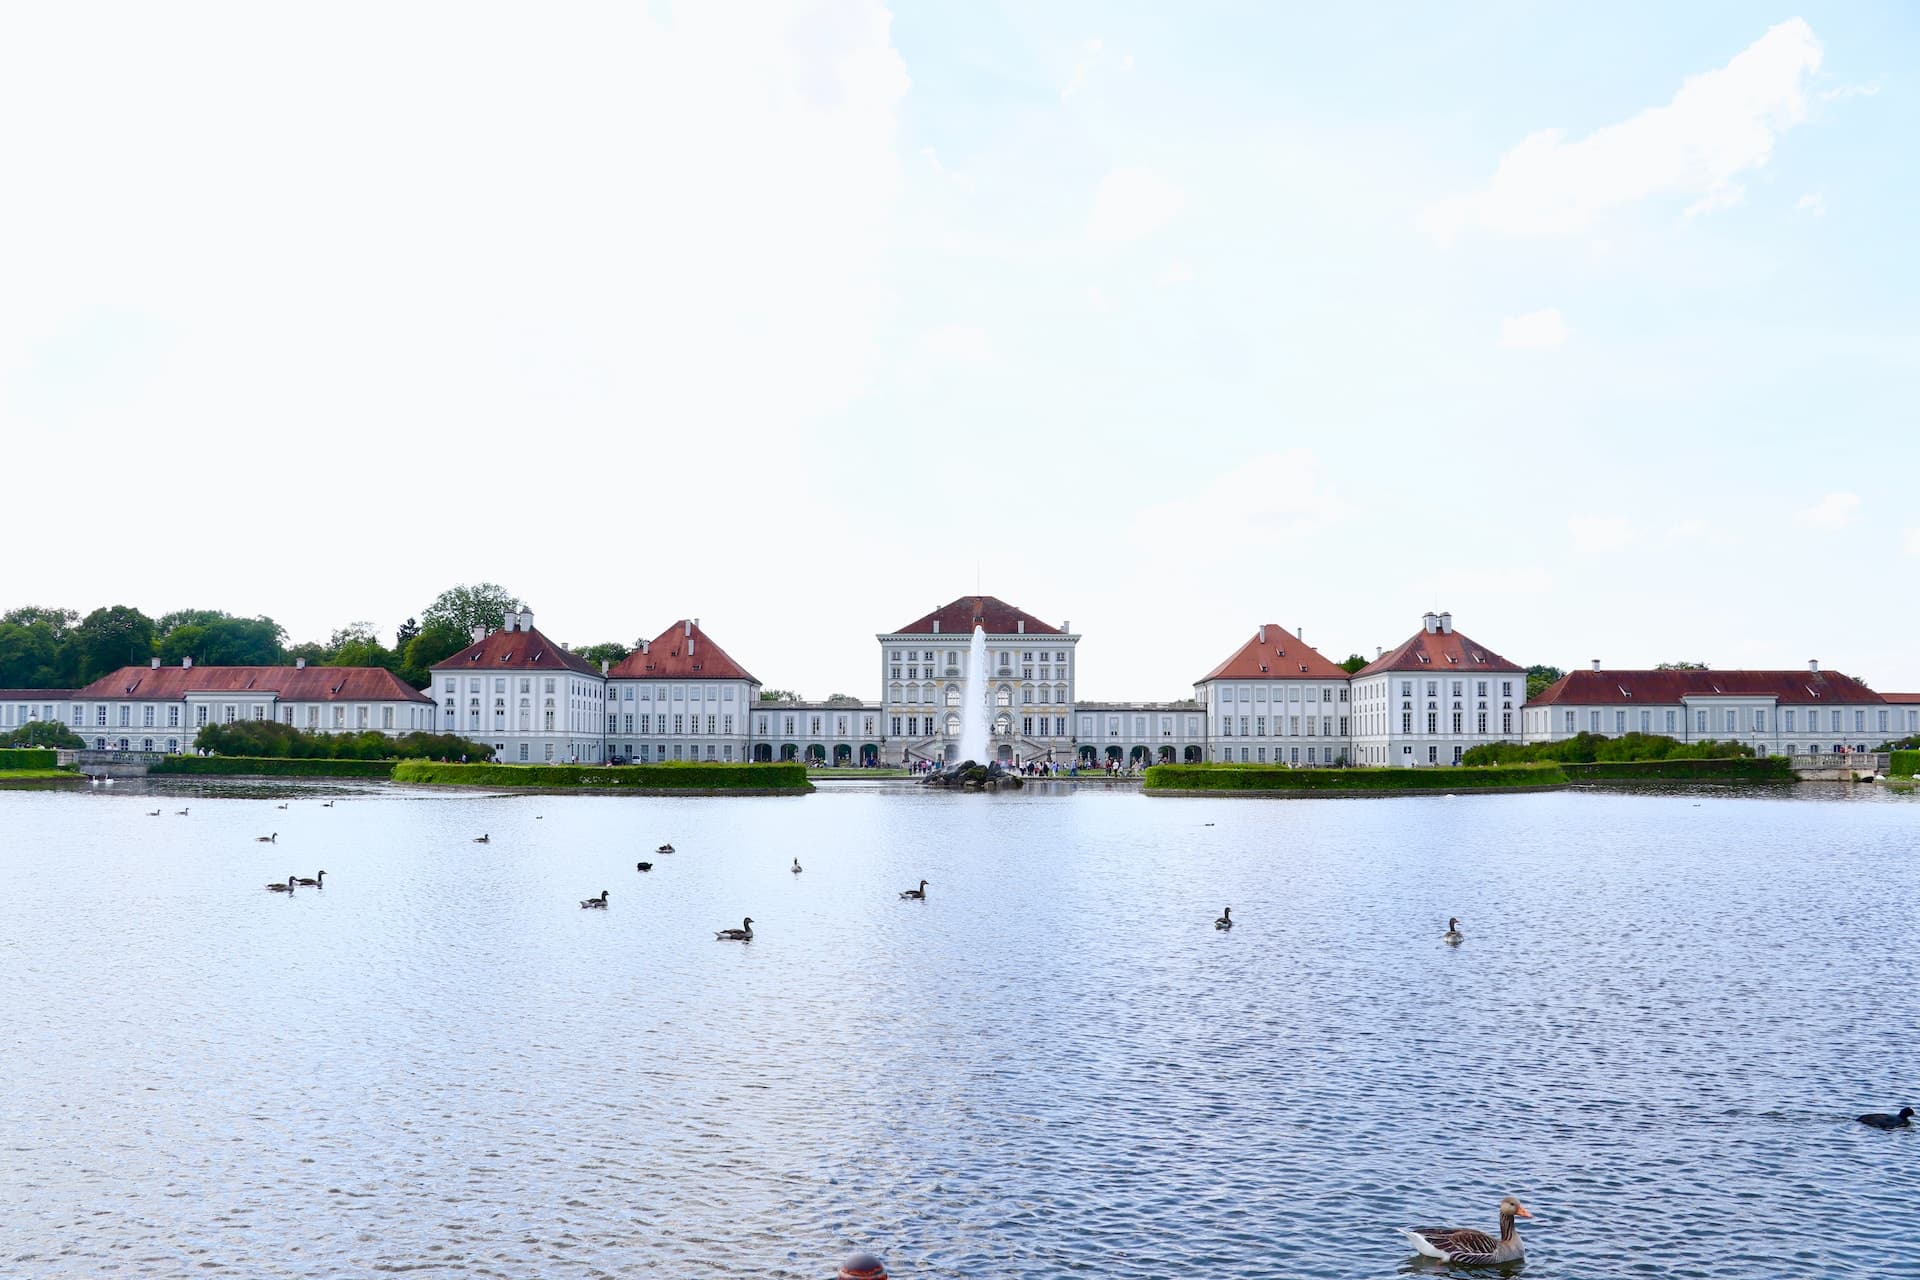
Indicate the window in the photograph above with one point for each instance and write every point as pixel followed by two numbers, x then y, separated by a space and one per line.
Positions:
pixel 173 717
pixel 1569 722
pixel 1732 720
pixel 1593 722
pixel 1406 722
pixel 1672 715
pixel 200 716
pixel 1506 724
pixel 549 746
pixel 1433 722
pixel 711 721
pixel 1619 720
pixel 1759 719
pixel 679 723
pixel 1457 716
pixel 523 753
pixel 1700 721
pixel 1481 723
pixel 1646 720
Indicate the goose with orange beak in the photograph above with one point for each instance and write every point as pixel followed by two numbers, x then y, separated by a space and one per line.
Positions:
pixel 1472 1248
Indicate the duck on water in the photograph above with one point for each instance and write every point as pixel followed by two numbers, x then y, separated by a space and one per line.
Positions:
pixel 1881 1120
pixel 743 934
pixel 600 902
pixel 917 895
pixel 1469 1247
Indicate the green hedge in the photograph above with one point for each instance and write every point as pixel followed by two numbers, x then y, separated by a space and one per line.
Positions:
pixel 1218 777
pixel 685 775
pixel 1590 748
pixel 274 767
pixel 28 758
pixel 1905 764
pixel 1744 769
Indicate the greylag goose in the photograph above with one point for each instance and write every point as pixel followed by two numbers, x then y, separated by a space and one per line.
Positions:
pixel 486 839
pixel 918 895
pixel 267 839
pixel 665 848
pixel 743 934
pixel 1453 936
pixel 1881 1120
pixel 153 813
pixel 314 881
pixel 279 806
pixel 600 902
pixel 326 804
pixel 643 866
pixel 796 866
pixel 284 887
pixel 1469 1247
pixel 181 813
pixel 1226 919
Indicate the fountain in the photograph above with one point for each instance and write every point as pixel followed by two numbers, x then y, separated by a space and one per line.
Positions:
pixel 976 707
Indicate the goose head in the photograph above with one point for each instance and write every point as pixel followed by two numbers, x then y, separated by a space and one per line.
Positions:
pixel 1511 1208
pixel 1906 1115
pixel 1453 924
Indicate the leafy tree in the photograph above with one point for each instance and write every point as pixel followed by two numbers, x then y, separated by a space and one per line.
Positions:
pixel 111 638
pixel 404 636
pixel 1353 663
pixel 41 733
pixel 1680 666
pixel 779 695
pixel 36 649
pixel 465 607
pixel 167 622
pixel 436 642
pixel 842 700
pixel 271 738
pixel 609 652
pixel 214 639
pixel 1539 677
pixel 312 650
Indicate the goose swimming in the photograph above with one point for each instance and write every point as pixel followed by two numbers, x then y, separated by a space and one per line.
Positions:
pixel 1880 1120
pixel 267 839
pixel 180 813
pixel 1453 937
pixel 665 848
pixel 486 839
pixel 311 880
pixel 743 934
pixel 796 866
pixel 1469 1247
pixel 153 813
pixel 285 887
pixel 643 866
pixel 1226 919
pixel 279 806
pixel 918 895
pixel 600 902
pixel 326 804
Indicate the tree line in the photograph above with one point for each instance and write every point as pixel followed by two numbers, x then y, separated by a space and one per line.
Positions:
pixel 43 648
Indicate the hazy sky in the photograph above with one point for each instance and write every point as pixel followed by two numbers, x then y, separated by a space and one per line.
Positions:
pixel 1594 324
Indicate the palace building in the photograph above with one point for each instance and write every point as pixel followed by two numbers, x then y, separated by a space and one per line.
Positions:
pixel 528 697
pixel 1277 700
pixel 1434 697
pixel 680 697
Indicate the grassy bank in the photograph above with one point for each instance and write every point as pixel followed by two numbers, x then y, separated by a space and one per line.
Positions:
pixel 39 775
pixel 1905 764
pixel 681 776
pixel 20 759
pixel 1764 769
pixel 272 767
pixel 1271 778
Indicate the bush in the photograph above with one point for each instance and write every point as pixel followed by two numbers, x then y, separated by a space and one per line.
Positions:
pixel 1591 748
pixel 273 767
pixel 42 733
pixel 1905 764
pixel 685 775
pixel 1686 769
pixel 1253 777
pixel 272 738
pixel 11 760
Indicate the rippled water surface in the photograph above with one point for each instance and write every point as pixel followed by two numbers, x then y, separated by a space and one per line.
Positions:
pixel 1666 1012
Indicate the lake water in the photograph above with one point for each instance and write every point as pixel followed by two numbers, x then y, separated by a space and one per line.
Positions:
pixel 1666 1012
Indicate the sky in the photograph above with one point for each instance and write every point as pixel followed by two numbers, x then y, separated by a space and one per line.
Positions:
pixel 1593 325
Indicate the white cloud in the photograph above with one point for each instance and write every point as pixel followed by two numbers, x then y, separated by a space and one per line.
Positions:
pixel 1097 298
pixel 1912 542
pixel 1176 273
pixel 957 344
pixel 1867 90
pixel 1082 67
pixel 1126 62
pixel 1699 530
pixel 1834 511
pixel 1131 203
pixel 957 178
pixel 1269 497
pixel 1719 125
pixel 1600 533
pixel 1812 203
pixel 1534 331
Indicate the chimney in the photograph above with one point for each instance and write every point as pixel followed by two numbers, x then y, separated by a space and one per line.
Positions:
pixel 686 627
pixel 156 664
pixel 696 622
pixel 1446 624
pixel 1065 625
pixel 1263 633
pixel 1596 664
pixel 1813 664
pixel 480 633
pixel 689 642
pixel 1430 622
pixel 1379 652
pixel 510 622
pixel 299 664
pixel 1300 633
pixel 643 647
pixel 603 666
pixel 186 664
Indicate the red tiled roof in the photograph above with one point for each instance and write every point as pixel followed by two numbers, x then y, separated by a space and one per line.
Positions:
pixel 1903 699
pixel 27 695
pixel 682 652
pixel 962 615
pixel 288 684
pixel 1606 688
pixel 516 650
pixel 1438 651
pixel 1275 653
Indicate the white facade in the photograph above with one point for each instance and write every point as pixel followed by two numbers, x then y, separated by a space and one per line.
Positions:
pixel 527 697
pixel 1030 684
pixel 1434 698
pixel 1308 723
pixel 1133 733
pixel 834 733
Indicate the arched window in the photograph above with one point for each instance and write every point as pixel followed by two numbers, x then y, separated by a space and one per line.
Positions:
pixel 953 695
pixel 1026 695
pixel 1003 696
pixel 893 693
pixel 953 726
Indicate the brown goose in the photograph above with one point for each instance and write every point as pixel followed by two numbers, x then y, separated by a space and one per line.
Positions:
pixel 1453 937
pixel 917 895
pixel 1472 1248
pixel 796 866
pixel 600 902
pixel 272 839
pixel 1226 919
pixel 284 887
pixel 315 882
pixel 743 934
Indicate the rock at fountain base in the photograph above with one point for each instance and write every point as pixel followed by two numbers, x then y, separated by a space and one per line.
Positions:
pixel 971 775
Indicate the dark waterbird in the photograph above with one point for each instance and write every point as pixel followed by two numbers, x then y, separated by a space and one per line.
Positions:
pixel 1453 936
pixel 665 848
pixel 267 839
pixel 314 881
pixel 283 887
pixel 1881 1120
pixel 643 866
pixel 600 902
pixel 743 934
pixel 796 866
pixel 482 839
pixel 1226 919
pixel 917 895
